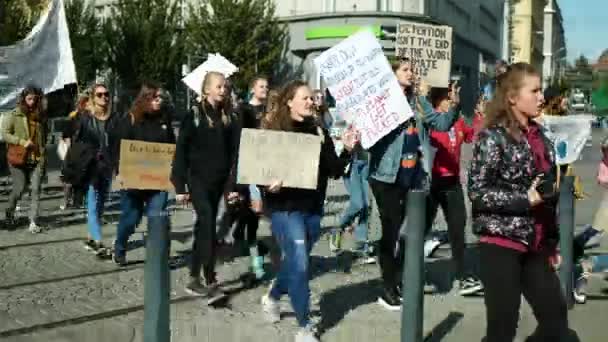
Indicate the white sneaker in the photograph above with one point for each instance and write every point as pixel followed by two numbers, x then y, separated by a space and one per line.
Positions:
pixel 306 335
pixel 34 228
pixel 271 308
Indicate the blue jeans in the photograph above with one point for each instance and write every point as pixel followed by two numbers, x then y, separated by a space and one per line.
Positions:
pixel 96 198
pixel 358 207
pixel 296 233
pixel 132 204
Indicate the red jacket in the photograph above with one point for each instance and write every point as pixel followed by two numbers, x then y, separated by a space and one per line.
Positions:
pixel 448 145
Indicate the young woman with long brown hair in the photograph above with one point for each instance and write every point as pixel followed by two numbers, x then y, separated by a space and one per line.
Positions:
pixel 512 189
pixel 296 213
pixel 27 126
pixel 146 122
pixel 204 157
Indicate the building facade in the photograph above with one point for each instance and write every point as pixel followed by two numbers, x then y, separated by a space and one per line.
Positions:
pixel 537 36
pixel 317 25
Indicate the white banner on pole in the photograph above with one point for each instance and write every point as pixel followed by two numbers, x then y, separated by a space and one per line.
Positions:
pixel 214 62
pixel 43 59
pixel 569 135
pixel 364 86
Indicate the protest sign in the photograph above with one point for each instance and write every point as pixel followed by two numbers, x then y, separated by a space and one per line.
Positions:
pixel 266 156
pixel 364 86
pixel 430 47
pixel 214 62
pixel 43 58
pixel 145 165
pixel 569 135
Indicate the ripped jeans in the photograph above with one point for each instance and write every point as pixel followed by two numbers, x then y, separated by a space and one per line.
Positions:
pixel 296 233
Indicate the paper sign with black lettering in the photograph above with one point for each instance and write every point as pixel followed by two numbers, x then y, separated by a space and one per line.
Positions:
pixel 145 165
pixel 364 86
pixel 267 156
pixel 430 47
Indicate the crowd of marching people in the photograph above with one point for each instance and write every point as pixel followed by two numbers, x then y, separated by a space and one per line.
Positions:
pixel 511 184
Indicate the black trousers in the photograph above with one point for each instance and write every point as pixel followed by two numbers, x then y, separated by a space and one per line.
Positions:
pixel 446 192
pixel 205 199
pixel 506 275
pixel 391 200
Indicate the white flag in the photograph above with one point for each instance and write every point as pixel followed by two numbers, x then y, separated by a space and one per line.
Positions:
pixel 569 135
pixel 43 59
pixel 214 62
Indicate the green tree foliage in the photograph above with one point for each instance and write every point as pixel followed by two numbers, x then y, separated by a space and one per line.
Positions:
pixel 246 32
pixel 87 40
pixel 144 42
pixel 18 17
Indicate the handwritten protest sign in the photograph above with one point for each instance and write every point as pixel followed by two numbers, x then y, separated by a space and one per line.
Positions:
pixel 364 86
pixel 145 165
pixel 266 156
pixel 430 47
pixel 569 135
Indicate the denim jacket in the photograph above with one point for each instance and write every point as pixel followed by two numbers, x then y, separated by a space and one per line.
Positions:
pixel 385 155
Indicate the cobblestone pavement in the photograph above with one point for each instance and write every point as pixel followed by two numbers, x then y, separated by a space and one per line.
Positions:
pixel 52 289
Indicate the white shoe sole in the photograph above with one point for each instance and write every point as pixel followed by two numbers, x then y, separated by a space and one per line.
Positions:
pixel 470 291
pixel 387 306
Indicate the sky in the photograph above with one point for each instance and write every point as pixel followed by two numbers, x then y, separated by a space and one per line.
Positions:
pixel 586 27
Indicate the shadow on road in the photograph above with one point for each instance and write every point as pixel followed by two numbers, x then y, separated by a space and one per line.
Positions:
pixel 443 329
pixel 338 302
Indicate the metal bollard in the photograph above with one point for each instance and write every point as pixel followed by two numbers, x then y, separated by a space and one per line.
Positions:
pixel 566 232
pixel 157 284
pixel 413 270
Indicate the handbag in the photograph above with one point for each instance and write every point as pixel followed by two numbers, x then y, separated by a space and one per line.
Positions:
pixel 16 155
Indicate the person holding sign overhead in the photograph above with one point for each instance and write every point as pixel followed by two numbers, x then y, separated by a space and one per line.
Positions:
pixel 296 213
pixel 204 157
pixel 145 122
pixel 399 162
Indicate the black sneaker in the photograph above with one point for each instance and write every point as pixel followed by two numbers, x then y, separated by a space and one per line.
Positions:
pixel 390 299
pixel 469 286
pixel 119 260
pixel 91 245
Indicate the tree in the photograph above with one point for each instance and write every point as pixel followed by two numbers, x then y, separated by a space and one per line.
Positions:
pixel 581 65
pixel 246 32
pixel 144 42
pixel 86 38
pixel 18 17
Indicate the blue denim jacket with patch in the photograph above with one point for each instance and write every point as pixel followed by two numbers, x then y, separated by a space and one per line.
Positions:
pixel 385 155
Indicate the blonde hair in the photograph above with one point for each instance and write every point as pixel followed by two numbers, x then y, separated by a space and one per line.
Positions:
pixel 94 109
pixel 225 106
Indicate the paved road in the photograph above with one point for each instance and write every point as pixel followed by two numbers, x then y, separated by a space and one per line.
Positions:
pixel 51 289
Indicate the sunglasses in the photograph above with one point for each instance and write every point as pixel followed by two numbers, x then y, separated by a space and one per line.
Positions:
pixel 100 95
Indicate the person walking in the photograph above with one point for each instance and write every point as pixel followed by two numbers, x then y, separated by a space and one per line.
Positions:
pixel 512 188
pixel 296 213
pixel 25 130
pixel 205 155
pixel 148 123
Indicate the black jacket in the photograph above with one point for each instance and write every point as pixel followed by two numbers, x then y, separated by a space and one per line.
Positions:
pixel 206 154
pixel 250 115
pixel 330 166
pixel 98 136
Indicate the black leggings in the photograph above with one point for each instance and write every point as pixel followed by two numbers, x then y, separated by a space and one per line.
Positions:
pixel 447 193
pixel 506 275
pixel 391 200
pixel 205 200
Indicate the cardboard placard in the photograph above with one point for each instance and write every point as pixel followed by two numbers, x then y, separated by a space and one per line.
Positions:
pixel 430 47
pixel 364 86
pixel 267 156
pixel 145 165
